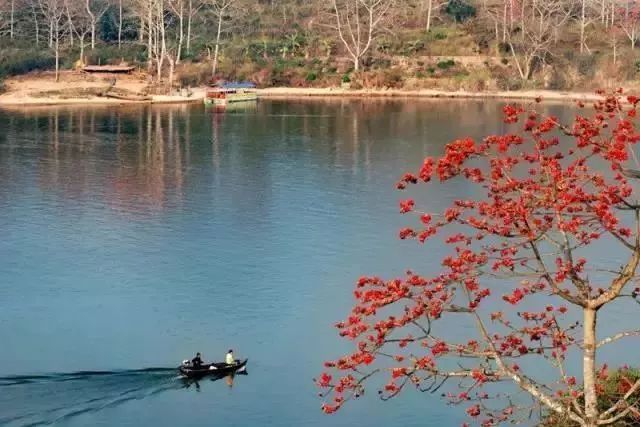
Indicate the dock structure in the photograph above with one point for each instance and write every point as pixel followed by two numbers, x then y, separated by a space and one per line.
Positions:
pixel 108 68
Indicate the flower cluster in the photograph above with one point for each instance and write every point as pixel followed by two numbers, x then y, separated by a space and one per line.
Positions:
pixel 549 190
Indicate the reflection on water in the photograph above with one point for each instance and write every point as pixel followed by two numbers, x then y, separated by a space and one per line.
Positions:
pixel 145 154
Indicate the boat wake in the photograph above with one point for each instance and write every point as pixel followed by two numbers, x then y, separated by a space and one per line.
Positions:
pixel 32 400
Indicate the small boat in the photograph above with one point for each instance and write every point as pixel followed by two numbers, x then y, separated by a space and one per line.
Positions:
pixel 131 97
pixel 215 369
pixel 227 93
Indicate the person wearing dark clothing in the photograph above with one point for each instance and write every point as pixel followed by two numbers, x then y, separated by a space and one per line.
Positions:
pixel 196 361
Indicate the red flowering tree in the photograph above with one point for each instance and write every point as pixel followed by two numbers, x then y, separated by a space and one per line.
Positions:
pixel 517 270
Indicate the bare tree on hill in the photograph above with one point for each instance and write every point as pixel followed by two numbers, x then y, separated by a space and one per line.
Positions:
pixel 357 24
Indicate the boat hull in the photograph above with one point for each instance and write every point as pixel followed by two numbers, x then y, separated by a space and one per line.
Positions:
pixel 232 98
pixel 212 369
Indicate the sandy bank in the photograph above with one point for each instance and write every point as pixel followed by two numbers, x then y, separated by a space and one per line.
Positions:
pixel 282 92
pixel 80 88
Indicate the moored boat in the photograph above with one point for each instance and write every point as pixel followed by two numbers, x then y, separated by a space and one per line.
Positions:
pixel 228 93
pixel 215 369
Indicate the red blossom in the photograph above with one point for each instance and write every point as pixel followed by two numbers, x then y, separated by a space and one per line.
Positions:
pixel 531 192
pixel 406 205
pixel 473 411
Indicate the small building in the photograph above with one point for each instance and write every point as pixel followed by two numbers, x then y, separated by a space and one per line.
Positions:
pixel 123 69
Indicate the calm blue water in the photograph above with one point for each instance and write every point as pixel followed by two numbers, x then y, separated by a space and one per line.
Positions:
pixel 131 238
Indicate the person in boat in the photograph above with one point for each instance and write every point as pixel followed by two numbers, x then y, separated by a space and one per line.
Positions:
pixel 230 359
pixel 196 361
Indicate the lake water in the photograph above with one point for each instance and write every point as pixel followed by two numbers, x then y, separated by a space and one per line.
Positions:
pixel 132 237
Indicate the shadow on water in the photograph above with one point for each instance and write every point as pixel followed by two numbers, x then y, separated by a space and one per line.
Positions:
pixel 33 400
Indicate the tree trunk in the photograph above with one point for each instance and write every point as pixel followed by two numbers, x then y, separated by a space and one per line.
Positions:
pixel 214 66
pixel 150 36
pixel 57 46
pixel 119 23
pixel 13 10
pixel 613 13
pixel 180 32
pixel 504 23
pixel 172 65
pixel 511 19
pixel 521 72
pixel 589 368
pixel 356 63
pixel 93 24
pixel 429 10
pixel 523 24
pixel 189 18
pixel 163 39
pixel 70 24
pixel 81 48
pixel 37 27
pixel 50 33
pixel 583 24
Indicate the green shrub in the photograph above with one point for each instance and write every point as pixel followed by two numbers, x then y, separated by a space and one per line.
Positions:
pixel 413 46
pixel 346 79
pixel 110 54
pixel 504 48
pixel 637 66
pixel 21 61
pixel 460 10
pixel 193 74
pixel 445 65
pixel 613 388
pixel 392 78
pixel 311 76
pixel 586 65
pixel 440 35
pixel 570 55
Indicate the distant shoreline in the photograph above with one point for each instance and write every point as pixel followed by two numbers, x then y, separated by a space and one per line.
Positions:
pixel 17 98
pixel 284 92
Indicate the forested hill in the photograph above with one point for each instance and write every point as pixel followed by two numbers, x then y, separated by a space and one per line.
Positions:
pixel 455 44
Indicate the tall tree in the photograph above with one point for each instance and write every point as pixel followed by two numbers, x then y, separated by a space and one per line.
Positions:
pixel 80 22
pixel 628 19
pixel 357 24
pixel 432 7
pixel 587 9
pixel 193 7
pixel 535 41
pixel 95 9
pixel 517 272
pixel 178 8
pixel 54 13
pixel 224 13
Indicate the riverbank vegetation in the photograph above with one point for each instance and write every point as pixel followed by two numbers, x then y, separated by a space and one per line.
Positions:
pixel 475 45
pixel 613 386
